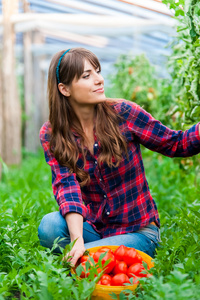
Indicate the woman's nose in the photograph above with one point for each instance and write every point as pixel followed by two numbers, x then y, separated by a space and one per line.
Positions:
pixel 99 78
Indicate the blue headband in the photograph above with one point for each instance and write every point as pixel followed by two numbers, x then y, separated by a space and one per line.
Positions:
pixel 58 66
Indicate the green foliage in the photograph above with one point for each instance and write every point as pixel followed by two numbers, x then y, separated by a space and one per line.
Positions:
pixel 175 101
pixel 28 271
pixel 176 274
pixel 136 79
pixel 184 63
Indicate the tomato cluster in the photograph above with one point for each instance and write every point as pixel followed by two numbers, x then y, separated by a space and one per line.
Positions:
pixel 118 266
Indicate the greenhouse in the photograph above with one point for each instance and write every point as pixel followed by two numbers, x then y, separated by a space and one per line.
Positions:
pixel 149 56
pixel 41 28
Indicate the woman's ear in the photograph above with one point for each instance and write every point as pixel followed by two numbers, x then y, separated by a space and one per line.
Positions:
pixel 64 89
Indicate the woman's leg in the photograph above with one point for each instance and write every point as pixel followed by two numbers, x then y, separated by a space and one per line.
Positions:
pixel 53 225
pixel 146 240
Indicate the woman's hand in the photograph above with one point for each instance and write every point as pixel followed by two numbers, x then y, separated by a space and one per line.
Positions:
pixel 75 226
pixel 76 252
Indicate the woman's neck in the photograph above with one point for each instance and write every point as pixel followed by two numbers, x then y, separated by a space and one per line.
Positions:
pixel 86 115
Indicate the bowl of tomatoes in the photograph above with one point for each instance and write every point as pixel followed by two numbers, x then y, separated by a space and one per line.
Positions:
pixel 117 268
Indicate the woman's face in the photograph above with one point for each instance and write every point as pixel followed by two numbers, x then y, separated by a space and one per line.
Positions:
pixel 89 88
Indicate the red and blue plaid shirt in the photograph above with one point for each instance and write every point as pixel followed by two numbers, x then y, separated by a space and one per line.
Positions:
pixel 118 199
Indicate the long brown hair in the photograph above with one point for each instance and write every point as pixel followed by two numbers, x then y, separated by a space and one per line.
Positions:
pixel 63 118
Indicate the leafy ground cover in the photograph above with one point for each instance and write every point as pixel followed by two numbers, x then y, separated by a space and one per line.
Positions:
pixel 28 271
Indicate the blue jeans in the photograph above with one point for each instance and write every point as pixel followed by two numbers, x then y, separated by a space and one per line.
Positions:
pixel 53 225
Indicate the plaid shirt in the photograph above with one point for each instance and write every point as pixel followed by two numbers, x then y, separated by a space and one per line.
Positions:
pixel 118 199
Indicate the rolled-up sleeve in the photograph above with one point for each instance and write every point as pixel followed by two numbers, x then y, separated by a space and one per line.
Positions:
pixel 65 186
pixel 155 136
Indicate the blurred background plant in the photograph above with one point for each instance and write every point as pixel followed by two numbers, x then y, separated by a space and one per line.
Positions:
pixel 174 100
pixel 136 79
pixel 184 63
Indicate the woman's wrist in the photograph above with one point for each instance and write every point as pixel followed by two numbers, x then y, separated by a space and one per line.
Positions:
pixel 75 226
pixel 74 237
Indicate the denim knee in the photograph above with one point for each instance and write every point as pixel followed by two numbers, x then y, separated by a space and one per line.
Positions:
pixel 52 226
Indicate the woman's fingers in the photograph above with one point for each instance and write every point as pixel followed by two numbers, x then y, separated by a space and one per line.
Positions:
pixel 76 252
pixel 73 256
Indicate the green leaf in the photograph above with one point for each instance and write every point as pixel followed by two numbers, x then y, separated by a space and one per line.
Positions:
pixel 5 167
pixel 113 296
pixel 179 12
pixel 122 296
pixel 79 270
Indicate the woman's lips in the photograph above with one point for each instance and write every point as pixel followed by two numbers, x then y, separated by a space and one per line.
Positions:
pixel 100 90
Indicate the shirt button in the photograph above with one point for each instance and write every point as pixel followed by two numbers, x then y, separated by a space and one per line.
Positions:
pixel 96 144
pixel 100 179
pixel 95 162
pixel 104 196
pixel 108 213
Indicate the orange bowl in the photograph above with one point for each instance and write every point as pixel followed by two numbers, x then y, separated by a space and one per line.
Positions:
pixel 102 292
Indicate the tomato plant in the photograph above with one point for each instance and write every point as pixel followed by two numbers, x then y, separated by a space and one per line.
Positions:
pixel 184 64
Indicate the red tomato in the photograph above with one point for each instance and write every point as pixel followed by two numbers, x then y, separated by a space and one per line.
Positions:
pixel 120 252
pixel 132 256
pixel 104 249
pixel 106 279
pixel 98 271
pixel 109 256
pixel 106 276
pixel 99 252
pixel 84 274
pixel 105 282
pixel 109 267
pixel 120 267
pixel 84 258
pixel 136 269
pixel 120 279
pixel 99 282
pixel 91 254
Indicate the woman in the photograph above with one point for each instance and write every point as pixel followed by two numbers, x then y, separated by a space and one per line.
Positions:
pixel 93 147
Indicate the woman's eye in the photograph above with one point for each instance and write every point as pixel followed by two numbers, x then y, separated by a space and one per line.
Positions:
pixel 86 76
pixel 98 71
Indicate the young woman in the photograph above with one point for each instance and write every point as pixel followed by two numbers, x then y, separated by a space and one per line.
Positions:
pixel 92 145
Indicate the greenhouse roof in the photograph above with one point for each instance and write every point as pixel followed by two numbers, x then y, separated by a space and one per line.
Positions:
pixel 107 27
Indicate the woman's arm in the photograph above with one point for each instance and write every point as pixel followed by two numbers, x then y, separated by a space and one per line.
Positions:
pixel 66 188
pixel 75 226
pixel 68 195
pixel 155 136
